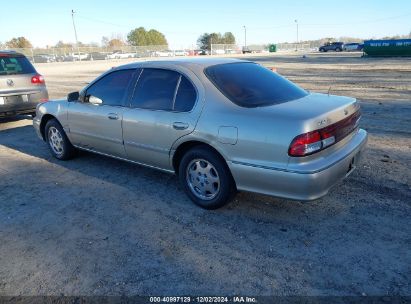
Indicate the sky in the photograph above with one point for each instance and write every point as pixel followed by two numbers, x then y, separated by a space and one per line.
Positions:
pixel 45 22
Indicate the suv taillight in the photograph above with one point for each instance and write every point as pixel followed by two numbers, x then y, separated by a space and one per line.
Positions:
pixel 314 141
pixel 37 79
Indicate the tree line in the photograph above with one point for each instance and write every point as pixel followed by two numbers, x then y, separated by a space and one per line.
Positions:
pixel 142 37
pixel 136 37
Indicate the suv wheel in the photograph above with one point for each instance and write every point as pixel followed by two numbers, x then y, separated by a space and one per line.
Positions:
pixel 338 50
pixel 59 145
pixel 206 178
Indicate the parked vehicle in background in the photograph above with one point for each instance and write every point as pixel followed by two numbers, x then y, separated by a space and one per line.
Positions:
pixel 332 46
pixel 98 56
pixel 220 125
pixel 180 53
pixel 80 56
pixel 21 87
pixel 201 52
pixel 42 58
pixel 120 55
pixel 246 50
pixel 167 53
pixel 352 47
pixel 66 57
pixel 230 51
pixel 218 52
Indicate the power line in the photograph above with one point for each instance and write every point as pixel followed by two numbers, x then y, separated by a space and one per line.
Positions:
pixel 330 24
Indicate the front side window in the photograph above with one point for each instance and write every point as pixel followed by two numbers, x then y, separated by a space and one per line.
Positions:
pixel 250 85
pixel 112 88
pixel 160 89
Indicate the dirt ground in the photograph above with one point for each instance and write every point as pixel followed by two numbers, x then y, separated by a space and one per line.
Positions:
pixel 99 226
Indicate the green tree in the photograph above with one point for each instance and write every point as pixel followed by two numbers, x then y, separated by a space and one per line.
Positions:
pixel 205 40
pixel 228 38
pixel 19 43
pixel 141 37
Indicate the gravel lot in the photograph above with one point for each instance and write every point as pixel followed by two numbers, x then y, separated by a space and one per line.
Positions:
pixel 98 226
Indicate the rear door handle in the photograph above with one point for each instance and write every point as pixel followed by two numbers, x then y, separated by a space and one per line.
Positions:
pixel 113 116
pixel 180 125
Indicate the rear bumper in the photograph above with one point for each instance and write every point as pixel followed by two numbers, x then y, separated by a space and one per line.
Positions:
pixel 24 107
pixel 6 112
pixel 297 184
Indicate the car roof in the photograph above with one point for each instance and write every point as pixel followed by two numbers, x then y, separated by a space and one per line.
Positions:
pixel 10 53
pixel 185 62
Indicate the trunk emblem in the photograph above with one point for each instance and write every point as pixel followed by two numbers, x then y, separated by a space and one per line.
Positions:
pixel 323 122
pixel 10 82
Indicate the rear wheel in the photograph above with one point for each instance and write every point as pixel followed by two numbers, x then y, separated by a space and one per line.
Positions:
pixel 206 178
pixel 59 145
pixel 338 50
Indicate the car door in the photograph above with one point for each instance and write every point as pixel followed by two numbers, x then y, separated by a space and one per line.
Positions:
pixel 164 107
pixel 96 122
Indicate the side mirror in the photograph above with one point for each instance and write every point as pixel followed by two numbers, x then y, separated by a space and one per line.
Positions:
pixel 94 100
pixel 73 96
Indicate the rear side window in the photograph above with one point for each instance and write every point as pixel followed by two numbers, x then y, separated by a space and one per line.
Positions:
pixel 250 85
pixel 186 96
pixel 112 88
pixel 160 89
pixel 15 65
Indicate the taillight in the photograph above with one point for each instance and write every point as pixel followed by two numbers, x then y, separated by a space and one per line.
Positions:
pixel 305 144
pixel 314 141
pixel 37 79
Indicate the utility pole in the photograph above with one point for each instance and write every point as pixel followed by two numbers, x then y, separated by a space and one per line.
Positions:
pixel 296 46
pixel 245 37
pixel 75 34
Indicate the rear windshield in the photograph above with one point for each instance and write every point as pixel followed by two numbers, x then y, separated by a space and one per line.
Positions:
pixel 15 65
pixel 250 85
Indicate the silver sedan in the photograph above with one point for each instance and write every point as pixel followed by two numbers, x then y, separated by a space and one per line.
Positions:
pixel 220 125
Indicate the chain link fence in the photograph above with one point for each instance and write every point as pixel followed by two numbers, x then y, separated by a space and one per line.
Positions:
pixel 46 55
pixel 288 47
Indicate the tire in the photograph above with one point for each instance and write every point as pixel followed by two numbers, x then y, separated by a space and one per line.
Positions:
pixel 338 50
pixel 59 145
pixel 206 178
pixel 322 50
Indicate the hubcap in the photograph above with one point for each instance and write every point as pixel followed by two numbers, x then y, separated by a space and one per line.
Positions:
pixel 55 140
pixel 202 179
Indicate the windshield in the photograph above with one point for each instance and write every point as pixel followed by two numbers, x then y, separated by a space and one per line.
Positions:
pixel 250 85
pixel 13 65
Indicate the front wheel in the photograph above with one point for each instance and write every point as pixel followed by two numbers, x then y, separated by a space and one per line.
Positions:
pixel 59 145
pixel 206 178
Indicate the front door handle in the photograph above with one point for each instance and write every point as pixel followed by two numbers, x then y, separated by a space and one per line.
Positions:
pixel 180 125
pixel 113 116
